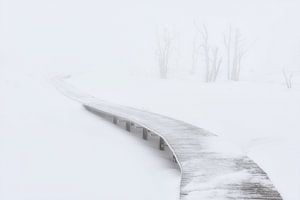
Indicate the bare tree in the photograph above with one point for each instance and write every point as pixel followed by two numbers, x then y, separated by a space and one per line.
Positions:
pixel 227 43
pixel 195 54
pixel 163 53
pixel 206 50
pixel 215 65
pixel 212 58
pixel 235 51
pixel 288 76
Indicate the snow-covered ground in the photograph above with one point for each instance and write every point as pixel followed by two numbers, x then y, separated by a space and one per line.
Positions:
pixel 51 148
pixel 261 117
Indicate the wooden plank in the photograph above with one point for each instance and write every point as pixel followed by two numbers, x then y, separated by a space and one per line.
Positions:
pixel 161 144
pixel 128 126
pixel 115 120
pixel 145 134
pixel 207 171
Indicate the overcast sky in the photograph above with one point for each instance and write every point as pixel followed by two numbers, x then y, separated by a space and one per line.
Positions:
pixel 69 34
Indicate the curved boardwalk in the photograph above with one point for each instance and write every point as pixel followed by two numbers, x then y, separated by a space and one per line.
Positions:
pixel 209 169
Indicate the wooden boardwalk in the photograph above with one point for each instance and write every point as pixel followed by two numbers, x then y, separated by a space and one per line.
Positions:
pixel 209 169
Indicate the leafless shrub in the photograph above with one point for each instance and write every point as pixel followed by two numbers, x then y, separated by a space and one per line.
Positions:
pixel 195 54
pixel 288 76
pixel 211 55
pixel 164 44
pixel 235 51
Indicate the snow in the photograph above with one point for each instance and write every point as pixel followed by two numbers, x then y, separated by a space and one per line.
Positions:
pixel 260 117
pixel 51 148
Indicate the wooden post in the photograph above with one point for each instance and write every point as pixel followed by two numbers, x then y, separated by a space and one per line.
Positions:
pixel 115 120
pixel 174 159
pixel 145 134
pixel 161 144
pixel 128 126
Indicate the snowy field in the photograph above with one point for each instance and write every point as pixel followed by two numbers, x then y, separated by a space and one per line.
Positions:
pixel 51 148
pixel 262 118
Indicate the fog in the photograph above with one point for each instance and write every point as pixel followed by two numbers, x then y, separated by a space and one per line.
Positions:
pixel 70 36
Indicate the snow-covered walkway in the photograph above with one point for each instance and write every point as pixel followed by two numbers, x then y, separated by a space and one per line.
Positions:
pixel 211 168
